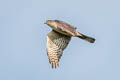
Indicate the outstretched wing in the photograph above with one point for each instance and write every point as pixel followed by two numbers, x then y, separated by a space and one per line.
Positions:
pixel 56 43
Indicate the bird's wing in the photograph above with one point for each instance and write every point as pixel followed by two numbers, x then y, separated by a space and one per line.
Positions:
pixel 65 27
pixel 56 43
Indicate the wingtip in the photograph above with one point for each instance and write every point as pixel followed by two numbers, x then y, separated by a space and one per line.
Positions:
pixel 54 65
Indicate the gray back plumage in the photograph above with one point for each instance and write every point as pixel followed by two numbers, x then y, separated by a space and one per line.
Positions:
pixel 65 26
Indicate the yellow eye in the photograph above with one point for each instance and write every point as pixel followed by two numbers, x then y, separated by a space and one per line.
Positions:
pixel 48 21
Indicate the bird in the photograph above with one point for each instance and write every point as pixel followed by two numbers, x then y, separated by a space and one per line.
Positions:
pixel 58 39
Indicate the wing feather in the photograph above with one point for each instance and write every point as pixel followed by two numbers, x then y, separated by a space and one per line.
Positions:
pixel 56 43
pixel 65 27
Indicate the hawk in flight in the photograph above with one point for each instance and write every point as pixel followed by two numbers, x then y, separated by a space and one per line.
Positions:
pixel 59 38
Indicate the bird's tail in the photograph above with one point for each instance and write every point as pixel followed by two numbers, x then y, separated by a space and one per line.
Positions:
pixel 84 37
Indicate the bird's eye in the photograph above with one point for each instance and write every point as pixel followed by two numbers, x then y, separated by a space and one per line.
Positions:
pixel 48 21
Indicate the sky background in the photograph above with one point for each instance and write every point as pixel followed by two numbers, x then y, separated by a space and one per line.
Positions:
pixel 23 40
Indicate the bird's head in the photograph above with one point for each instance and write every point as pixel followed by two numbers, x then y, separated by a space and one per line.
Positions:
pixel 51 23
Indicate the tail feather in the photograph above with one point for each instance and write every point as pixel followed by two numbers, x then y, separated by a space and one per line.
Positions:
pixel 84 37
